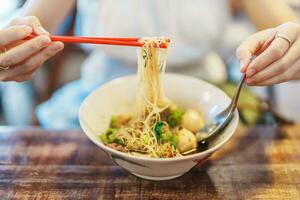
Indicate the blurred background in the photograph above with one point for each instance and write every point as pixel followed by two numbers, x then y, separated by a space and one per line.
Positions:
pixel 21 102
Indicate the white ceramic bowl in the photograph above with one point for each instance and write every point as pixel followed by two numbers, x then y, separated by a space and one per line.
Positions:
pixel 118 96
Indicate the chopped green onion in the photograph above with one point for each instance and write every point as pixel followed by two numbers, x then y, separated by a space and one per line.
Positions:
pixel 158 130
pixel 175 117
pixel 103 138
pixel 145 139
pixel 112 137
pixel 114 122
pixel 170 138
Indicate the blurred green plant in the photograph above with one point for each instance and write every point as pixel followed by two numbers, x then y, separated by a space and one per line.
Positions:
pixel 252 110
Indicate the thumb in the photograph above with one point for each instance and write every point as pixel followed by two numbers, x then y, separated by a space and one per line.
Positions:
pixel 244 57
pixel 34 22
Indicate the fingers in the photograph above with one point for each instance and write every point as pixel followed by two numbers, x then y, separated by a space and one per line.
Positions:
pixel 24 58
pixel 245 51
pixel 278 67
pixel 44 55
pixel 276 50
pixel 244 57
pixel 24 77
pixel 267 43
pixel 14 33
pixel 23 51
pixel 292 73
pixel 32 21
pixel 275 80
pixel 289 29
pixel 24 71
pixel 251 46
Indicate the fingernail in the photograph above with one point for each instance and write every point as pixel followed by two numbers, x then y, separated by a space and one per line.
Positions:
pixel 56 46
pixel 45 40
pixel 41 30
pixel 250 72
pixel 27 29
pixel 242 67
pixel 249 81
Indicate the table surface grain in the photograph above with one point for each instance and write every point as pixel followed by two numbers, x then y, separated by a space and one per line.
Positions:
pixel 257 163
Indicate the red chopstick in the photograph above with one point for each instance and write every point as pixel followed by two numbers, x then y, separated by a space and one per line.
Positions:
pixel 96 40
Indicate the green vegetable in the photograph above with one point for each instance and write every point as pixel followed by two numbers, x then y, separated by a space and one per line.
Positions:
pixel 174 140
pixel 163 134
pixel 158 129
pixel 103 138
pixel 145 57
pixel 110 136
pixel 114 122
pixel 118 141
pixel 145 139
pixel 170 138
pixel 250 116
pixel 110 131
pixel 249 104
pixel 175 116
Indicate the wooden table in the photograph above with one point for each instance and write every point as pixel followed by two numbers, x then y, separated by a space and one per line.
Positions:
pixel 257 163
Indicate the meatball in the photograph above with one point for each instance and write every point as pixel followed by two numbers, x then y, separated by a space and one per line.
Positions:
pixel 192 120
pixel 186 140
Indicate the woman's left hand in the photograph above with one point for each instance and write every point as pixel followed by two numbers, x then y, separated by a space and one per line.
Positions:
pixel 277 54
pixel 20 58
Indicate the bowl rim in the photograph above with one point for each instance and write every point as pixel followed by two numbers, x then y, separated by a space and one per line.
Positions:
pixel 105 148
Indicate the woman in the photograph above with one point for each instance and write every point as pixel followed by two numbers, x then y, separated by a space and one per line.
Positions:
pixel 194 25
pixel 277 54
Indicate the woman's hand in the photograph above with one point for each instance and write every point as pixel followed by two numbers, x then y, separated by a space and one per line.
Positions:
pixel 20 59
pixel 277 54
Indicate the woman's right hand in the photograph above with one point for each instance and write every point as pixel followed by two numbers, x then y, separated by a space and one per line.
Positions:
pixel 277 54
pixel 20 59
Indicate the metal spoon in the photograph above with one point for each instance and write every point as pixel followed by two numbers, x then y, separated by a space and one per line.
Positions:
pixel 215 126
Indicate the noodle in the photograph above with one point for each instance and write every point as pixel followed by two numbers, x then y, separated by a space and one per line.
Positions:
pixel 151 61
pixel 153 130
pixel 150 97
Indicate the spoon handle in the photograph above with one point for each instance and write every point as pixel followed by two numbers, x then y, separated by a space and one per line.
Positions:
pixel 237 93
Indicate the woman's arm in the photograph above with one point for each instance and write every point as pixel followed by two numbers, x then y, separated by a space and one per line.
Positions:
pixel 51 13
pixel 268 13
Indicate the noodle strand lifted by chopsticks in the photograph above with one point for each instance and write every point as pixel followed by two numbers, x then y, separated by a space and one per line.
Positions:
pixel 156 128
pixel 150 97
